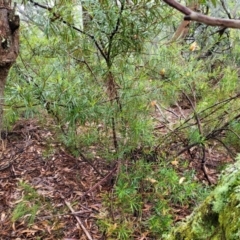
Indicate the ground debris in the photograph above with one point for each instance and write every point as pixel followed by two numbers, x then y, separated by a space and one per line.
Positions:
pixel 55 178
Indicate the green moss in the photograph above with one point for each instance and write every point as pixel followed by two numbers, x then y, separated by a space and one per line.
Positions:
pixel 218 217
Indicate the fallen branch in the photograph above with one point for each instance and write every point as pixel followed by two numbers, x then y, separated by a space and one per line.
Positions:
pixel 78 219
pixel 84 159
pixel 100 182
pixel 161 112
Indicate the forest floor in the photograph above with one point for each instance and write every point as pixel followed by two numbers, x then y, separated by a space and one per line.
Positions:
pixel 69 190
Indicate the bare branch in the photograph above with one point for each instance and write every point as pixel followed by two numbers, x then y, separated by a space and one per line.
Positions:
pixel 78 219
pixel 198 17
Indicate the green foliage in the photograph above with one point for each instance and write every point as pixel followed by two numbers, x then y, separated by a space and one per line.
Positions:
pixel 28 206
pixel 74 89
pixel 195 137
pixel 151 187
pixel 233 135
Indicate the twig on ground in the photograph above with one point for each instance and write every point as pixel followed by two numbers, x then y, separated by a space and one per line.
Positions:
pixel 100 182
pixel 84 159
pixel 180 110
pixel 171 111
pixel 186 149
pixel 231 154
pixel 78 219
pixel 161 112
pixel 64 214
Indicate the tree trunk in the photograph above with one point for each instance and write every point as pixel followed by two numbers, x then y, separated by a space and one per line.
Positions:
pixel 9 46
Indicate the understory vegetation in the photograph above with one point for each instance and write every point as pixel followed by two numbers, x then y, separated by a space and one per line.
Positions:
pixel 117 88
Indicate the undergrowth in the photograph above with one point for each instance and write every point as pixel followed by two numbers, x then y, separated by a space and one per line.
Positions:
pixel 145 198
pixel 28 206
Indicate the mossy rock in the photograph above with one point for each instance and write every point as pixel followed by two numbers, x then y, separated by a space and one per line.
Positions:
pixel 218 217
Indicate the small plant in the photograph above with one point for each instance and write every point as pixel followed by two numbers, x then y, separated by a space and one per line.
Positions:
pixel 28 206
pixel 161 218
pixel 144 194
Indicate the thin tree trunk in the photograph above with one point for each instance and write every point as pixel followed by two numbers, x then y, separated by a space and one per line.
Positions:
pixel 9 46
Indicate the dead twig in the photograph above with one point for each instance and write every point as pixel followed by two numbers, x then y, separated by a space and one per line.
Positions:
pixel 180 110
pixel 100 182
pixel 78 219
pixel 204 164
pixel 188 147
pixel 84 159
pixel 64 214
pixel 157 107
pixel 231 154
pixel 194 113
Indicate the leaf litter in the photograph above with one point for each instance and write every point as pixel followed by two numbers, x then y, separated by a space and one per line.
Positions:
pixel 67 190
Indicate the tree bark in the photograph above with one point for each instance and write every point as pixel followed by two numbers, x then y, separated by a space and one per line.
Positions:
pixel 9 46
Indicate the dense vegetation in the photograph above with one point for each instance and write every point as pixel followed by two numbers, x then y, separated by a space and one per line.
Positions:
pixel 113 79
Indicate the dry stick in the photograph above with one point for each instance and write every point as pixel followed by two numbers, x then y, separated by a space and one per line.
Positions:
pixel 202 145
pixel 216 131
pixel 115 142
pixel 84 159
pixel 161 112
pixel 180 110
pixel 230 130
pixel 225 9
pixel 100 182
pixel 171 111
pixel 222 103
pixel 186 149
pixel 194 113
pixel 231 154
pixel 64 214
pixel 204 164
pixel 213 134
pixel 78 219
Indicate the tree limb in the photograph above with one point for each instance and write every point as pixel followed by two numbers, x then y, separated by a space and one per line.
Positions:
pixel 198 17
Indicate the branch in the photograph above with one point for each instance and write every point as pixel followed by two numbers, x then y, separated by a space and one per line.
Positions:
pixel 78 219
pixel 225 9
pixel 198 17
pixel 204 164
pixel 114 32
pixel 71 26
pixel 100 182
